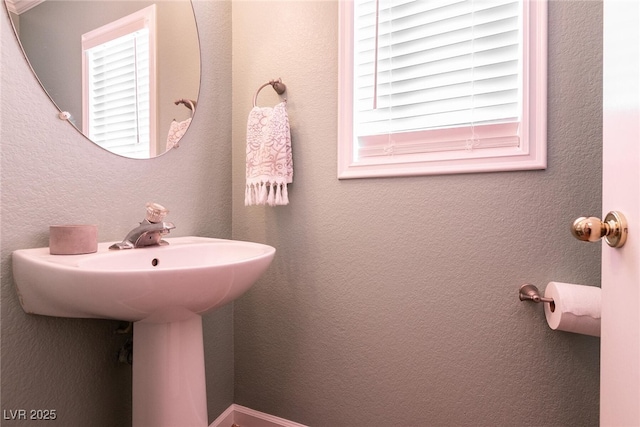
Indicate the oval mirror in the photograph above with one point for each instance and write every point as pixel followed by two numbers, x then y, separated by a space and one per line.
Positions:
pixel 126 74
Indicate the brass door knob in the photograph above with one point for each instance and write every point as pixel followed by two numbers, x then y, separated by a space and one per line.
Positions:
pixel 613 229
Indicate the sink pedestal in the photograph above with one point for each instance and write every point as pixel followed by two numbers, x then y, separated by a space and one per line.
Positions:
pixel 169 386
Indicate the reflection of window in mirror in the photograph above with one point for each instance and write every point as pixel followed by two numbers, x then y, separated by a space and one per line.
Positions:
pixel 443 86
pixel 118 89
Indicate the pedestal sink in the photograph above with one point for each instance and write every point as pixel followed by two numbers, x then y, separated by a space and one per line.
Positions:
pixel 163 289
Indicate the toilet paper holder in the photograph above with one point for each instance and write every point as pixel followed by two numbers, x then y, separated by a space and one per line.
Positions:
pixel 529 292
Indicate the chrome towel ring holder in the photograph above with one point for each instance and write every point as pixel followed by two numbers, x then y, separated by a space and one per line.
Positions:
pixel 278 86
pixel 190 104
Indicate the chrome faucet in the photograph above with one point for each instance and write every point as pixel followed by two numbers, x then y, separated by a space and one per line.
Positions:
pixel 149 232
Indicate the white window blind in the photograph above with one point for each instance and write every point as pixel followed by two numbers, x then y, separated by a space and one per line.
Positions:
pixel 118 69
pixel 440 81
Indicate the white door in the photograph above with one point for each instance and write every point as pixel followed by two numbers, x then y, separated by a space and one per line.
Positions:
pixel 620 336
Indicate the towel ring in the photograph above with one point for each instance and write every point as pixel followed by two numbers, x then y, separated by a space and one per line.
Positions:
pixel 278 86
pixel 190 104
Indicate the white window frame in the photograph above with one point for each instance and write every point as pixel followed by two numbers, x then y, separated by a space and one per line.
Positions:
pixel 515 146
pixel 144 18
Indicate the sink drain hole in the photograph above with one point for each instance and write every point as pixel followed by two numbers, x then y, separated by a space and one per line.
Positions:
pixel 154 262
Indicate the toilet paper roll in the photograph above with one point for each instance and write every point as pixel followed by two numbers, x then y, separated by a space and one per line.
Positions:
pixel 575 308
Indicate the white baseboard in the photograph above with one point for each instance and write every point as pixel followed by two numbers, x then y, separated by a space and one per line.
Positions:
pixel 225 419
pixel 246 417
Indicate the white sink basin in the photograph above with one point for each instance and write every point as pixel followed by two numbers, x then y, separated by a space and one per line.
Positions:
pixel 156 284
pixel 164 290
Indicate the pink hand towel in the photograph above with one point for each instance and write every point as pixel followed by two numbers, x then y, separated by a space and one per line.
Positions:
pixel 269 159
pixel 176 132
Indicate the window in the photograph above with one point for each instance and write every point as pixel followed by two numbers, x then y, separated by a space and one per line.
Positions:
pixel 118 69
pixel 441 86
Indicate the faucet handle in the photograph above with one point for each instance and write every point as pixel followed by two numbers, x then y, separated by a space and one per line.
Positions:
pixel 155 212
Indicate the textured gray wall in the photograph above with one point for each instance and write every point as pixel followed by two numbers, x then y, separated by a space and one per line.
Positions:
pixel 394 301
pixel 51 174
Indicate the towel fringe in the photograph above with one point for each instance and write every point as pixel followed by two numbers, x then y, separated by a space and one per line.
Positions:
pixel 266 193
pixel 279 194
pixel 262 199
pixel 271 198
pixel 247 196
